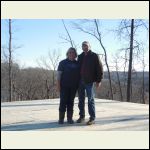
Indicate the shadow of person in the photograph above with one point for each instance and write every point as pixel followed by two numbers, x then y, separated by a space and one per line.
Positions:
pixel 37 126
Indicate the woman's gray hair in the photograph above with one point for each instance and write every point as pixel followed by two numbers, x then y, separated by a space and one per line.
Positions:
pixel 73 49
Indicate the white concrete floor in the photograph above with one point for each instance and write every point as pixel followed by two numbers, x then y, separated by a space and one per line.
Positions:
pixel 43 115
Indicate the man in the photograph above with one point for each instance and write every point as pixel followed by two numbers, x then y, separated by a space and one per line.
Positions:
pixel 91 71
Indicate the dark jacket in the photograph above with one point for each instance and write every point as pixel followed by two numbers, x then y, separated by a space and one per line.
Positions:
pixel 94 68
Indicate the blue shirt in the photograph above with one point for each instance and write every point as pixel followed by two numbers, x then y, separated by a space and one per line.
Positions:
pixel 70 73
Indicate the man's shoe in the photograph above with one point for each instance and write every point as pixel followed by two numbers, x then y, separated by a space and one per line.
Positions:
pixel 90 122
pixel 80 120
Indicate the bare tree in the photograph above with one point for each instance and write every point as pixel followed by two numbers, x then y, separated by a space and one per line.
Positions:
pixel 8 57
pixel 130 62
pixel 46 77
pixel 97 34
pixel 143 79
pixel 118 78
pixel 68 38
pixel 143 89
pixel 10 60
pixel 29 81
pixel 54 59
pixel 50 63
pixel 128 29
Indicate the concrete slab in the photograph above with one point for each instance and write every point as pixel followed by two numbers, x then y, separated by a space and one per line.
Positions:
pixel 43 115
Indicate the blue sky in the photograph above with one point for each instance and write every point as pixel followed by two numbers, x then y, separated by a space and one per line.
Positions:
pixel 37 37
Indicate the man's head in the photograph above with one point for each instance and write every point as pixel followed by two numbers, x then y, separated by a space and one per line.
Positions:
pixel 85 46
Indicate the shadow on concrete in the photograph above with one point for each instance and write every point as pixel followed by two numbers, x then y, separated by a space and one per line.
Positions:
pixel 49 104
pixel 50 125
pixel 141 127
pixel 116 119
pixel 28 105
pixel 37 126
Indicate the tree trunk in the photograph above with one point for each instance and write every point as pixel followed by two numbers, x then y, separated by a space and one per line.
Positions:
pixel 111 91
pixel 143 98
pixel 53 94
pixel 125 69
pixel 119 82
pixel 130 63
pixel 10 61
pixel 143 84
pixel 47 89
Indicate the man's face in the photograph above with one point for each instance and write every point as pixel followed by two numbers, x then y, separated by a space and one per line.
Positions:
pixel 85 47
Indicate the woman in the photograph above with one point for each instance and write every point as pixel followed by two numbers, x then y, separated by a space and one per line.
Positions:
pixel 68 80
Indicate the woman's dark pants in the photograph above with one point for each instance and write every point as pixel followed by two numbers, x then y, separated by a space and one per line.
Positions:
pixel 67 95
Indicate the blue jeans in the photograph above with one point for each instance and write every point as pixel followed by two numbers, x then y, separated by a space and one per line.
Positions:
pixel 90 94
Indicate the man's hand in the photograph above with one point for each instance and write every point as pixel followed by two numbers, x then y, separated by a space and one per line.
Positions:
pixel 98 84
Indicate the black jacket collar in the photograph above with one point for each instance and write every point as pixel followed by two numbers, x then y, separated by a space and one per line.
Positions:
pixel 88 53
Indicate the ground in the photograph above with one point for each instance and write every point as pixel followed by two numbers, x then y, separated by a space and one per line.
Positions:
pixel 43 115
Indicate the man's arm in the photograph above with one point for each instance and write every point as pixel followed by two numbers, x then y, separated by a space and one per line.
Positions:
pixel 99 69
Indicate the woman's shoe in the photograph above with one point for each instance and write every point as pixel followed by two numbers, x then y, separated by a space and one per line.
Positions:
pixel 69 117
pixel 61 117
pixel 61 122
pixel 70 121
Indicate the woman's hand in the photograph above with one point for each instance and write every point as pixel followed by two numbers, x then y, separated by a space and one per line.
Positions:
pixel 58 86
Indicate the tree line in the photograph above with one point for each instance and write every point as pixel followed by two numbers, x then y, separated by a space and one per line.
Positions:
pixel 40 83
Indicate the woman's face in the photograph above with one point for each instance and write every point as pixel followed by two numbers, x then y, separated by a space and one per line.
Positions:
pixel 71 55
